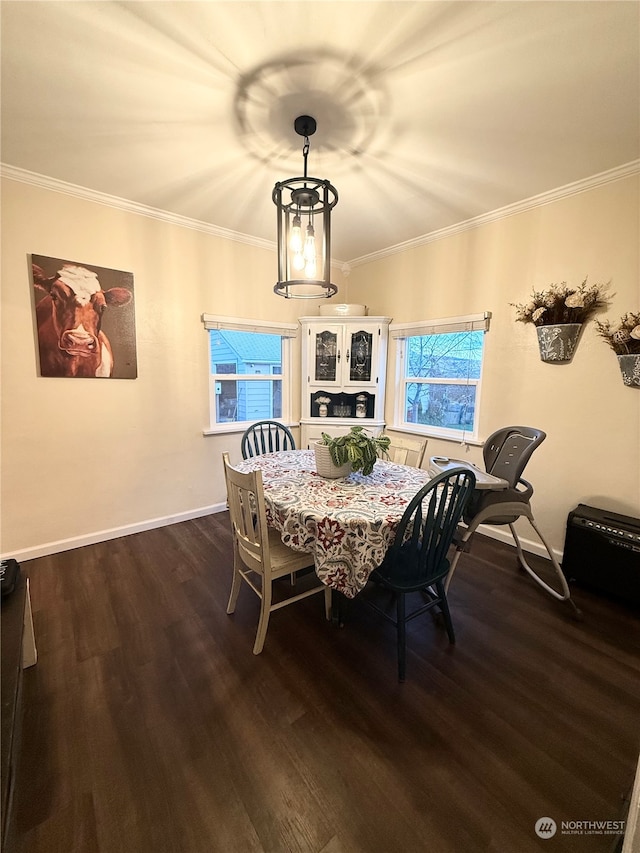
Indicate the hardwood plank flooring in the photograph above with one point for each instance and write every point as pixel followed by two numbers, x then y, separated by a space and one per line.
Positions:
pixel 150 727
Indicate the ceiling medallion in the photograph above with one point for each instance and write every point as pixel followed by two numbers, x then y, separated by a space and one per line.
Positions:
pixel 343 99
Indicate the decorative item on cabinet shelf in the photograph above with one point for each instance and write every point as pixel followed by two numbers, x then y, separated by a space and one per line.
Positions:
pixel 356 450
pixel 323 406
pixel 559 313
pixel 342 410
pixel 343 310
pixel 624 340
pixel 342 405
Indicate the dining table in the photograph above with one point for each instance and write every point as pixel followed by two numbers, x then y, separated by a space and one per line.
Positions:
pixel 347 524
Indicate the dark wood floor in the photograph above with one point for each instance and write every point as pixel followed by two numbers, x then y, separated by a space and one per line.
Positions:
pixel 150 727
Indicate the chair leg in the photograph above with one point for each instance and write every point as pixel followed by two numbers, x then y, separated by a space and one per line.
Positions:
pixel 327 603
pixel 265 612
pixel 454 563
pixel 339 608
pixel 564 594
pixel 235 586
pixel 401 626
pixel 446 613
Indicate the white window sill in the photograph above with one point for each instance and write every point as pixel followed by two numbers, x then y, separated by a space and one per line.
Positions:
pixel 424 433
pixel 239 428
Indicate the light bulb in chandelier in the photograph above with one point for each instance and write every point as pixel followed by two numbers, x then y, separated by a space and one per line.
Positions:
pixel 309 252
pixel 310 243
pixel 310 267
pixel 295 242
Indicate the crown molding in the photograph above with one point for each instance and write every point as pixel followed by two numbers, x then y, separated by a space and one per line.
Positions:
pixel 620 172
pixel 44 182
pixel 13 173
pixel 35 179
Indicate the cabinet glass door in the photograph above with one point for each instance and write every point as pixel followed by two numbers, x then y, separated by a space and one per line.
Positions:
pixel 360 355
pixel 326 350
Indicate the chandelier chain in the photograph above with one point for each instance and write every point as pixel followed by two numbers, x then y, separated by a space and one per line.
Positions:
pixel 305 153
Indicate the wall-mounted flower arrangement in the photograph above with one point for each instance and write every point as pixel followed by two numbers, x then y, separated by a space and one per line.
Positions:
pixel 624 339
pixel 558 313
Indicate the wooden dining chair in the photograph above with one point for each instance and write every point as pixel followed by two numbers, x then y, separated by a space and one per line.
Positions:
pixel 266 437
pixel 259 555
pixel 407 451
pixel 417 561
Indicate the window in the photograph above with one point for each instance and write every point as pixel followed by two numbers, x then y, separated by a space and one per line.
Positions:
pixel 248 371
pixel 439 374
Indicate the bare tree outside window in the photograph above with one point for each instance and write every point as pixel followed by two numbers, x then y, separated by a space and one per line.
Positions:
pixel 446 368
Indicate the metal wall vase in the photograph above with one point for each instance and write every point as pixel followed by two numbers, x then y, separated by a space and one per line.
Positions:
pixel 630 369
pixel 558 343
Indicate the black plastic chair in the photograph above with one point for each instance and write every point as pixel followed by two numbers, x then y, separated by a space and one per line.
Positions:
pixel 266 437
pixel 417 561
pixel 506 453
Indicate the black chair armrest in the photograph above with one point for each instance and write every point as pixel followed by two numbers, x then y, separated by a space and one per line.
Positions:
pixel 526 493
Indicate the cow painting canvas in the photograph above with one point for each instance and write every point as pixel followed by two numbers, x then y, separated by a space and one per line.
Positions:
pixel 85 319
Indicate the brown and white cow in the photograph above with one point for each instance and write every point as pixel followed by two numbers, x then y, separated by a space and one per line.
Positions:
pixel 69 319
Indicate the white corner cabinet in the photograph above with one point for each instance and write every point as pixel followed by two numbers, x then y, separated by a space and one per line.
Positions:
pixel 344 365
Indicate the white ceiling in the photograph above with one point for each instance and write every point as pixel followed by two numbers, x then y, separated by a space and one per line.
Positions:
pixel 429 113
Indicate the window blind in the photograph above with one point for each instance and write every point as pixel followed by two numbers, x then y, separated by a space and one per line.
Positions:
pixel 470 323
pixel 237 324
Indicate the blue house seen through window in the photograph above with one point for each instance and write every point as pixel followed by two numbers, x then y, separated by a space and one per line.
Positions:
pixel 247 357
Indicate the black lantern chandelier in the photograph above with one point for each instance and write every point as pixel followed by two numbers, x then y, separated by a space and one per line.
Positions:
pixel 304 229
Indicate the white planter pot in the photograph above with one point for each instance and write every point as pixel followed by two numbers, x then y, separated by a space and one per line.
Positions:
pixel 325 465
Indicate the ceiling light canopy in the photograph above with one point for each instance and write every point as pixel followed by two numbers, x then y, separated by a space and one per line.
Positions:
pixel 304 229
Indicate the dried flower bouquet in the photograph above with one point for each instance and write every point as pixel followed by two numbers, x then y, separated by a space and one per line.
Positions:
pixel 624 337
pixel 561 304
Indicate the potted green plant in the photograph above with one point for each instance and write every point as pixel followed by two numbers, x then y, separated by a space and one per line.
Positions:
pixel 624 340
pixel 558 314
pixel 355 451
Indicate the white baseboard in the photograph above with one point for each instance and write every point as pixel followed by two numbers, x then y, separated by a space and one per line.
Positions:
pixel 48 548
pixel 502 535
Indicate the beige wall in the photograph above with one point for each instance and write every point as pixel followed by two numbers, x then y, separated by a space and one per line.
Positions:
pixel 592 451
pixel 86 459
pixel 81 456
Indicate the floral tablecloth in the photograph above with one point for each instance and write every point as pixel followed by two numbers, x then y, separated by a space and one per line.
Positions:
pixel 347 524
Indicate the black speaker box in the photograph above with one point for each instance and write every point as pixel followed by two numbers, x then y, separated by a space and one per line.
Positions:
pixel 602 551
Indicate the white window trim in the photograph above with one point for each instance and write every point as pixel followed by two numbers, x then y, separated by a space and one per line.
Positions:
pixel 399 332
pixel 239 324
pixel 468 323
pixel 287 332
